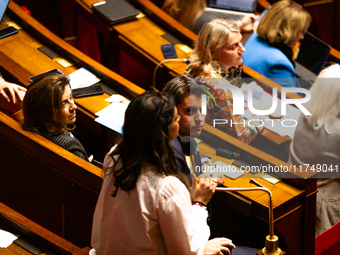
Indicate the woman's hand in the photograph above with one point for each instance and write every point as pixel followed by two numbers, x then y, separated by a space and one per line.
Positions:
pixel 217 246
pixel 11 92
pixel 202 189
pixel 247 23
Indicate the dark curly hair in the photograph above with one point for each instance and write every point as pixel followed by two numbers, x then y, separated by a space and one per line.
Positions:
pixel 145 141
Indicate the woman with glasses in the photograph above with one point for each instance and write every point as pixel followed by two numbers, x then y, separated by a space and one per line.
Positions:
pixel 49 110
pixel 216 62
pixel 145 206
pixel 270 50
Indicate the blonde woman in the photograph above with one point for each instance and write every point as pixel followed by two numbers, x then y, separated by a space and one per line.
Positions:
pixel 270 50
pixel 216 58
pixel 317 143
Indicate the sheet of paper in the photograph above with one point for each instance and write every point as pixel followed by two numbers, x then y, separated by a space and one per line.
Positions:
pixel 110 123
pixel 82 78
pixel 112 116
pixel 117 98
pixel 6 238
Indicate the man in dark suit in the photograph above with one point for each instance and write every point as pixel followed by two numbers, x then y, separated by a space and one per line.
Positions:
pixel 188 101
pixel 188 95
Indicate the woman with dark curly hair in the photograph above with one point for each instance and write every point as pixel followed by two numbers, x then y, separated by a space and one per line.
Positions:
pixel 145 206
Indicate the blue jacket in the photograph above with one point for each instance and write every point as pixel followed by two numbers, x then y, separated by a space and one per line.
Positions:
pixel 269 61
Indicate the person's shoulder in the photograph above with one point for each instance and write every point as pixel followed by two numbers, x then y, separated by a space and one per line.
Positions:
pixel 170 186
pixel 191 71
pixel 252 41
pixel 60 138
pixel 263 52
pixel 108 162
pixel 66 141
pixel 175 143
pixel 335 125
pixel 256 44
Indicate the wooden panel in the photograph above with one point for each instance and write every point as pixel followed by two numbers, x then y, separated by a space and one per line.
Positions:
pixel 294 198
pixel 70 53
pixel 33 233
pixel 46 183
pixel 74 177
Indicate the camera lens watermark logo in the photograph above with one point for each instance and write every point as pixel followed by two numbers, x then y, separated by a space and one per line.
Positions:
pixel 239 100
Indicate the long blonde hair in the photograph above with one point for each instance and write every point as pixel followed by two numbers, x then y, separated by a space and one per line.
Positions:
pixel 284 22
pixel 211 39
pixel 185 11
pixel 324 104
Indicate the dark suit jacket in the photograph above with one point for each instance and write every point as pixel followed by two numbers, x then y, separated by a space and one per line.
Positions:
pixel 69 143
pixel 181 157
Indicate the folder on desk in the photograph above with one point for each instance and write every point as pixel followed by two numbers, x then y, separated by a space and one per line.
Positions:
pixel 115 11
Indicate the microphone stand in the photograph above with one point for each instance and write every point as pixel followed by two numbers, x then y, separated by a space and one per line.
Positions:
pixel 272 241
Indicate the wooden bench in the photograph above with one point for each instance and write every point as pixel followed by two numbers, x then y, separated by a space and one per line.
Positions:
pixel 47 183
pixel 32 233
pixel 41 177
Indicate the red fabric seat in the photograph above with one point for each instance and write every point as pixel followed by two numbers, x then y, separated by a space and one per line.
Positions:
pixel 328 242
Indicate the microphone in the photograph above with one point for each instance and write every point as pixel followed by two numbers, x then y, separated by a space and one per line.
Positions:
pixel 272 241
pixel 227 153
pixel 185 60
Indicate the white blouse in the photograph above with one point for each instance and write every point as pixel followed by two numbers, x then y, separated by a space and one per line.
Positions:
pixel 156 217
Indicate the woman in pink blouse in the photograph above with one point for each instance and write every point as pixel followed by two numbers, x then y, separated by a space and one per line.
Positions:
pixel 145 206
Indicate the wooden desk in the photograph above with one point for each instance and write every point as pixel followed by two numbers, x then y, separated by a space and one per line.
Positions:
pixel 187 36
pixel 34 234
pixel 294 198
pixel 44 182
pixel 27 61
pixel 267 141
pixel 142 39
pixel 34 62
pixel 47 183
pixel 20 57
pixel 73 178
